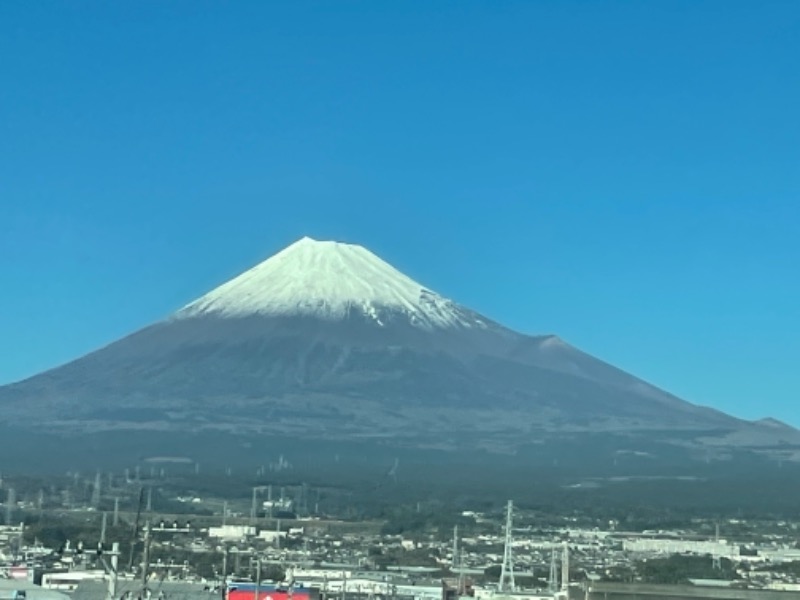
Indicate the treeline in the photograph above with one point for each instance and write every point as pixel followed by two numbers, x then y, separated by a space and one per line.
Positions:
pixel 673 570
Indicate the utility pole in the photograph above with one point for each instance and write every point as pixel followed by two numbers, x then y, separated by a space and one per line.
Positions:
pixel 136 527
pixel 146 556
pixel 269 499
pixel 565 568
pixel 258 577
pixel 254 504
pixel 456 566
pixel 103 526
pixel 454 563
pixel 11 502
pixel 224 568
pixel 114 567
pixel 96 490
pixel 116 511
pixel 111 591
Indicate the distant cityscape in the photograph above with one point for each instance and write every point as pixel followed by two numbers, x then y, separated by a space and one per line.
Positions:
pixel 122 535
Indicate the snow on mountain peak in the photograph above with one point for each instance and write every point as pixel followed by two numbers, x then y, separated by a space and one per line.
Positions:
pixel 329 280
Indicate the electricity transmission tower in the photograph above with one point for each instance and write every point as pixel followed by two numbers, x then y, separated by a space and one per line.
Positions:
pixel 716 563
pixel 507 571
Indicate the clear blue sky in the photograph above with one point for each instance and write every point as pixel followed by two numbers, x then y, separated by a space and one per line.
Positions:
pixel 623 174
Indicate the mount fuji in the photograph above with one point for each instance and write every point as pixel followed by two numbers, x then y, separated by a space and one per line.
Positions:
pixel 325 341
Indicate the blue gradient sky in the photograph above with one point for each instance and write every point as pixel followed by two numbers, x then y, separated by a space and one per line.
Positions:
pixel 624 174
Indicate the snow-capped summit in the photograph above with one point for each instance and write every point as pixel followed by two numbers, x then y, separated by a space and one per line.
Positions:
pixel 329 280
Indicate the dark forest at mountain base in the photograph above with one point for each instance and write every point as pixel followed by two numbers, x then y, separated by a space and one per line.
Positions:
pixel 591 475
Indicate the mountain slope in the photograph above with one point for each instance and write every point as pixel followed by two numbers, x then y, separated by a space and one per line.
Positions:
pixel 325 340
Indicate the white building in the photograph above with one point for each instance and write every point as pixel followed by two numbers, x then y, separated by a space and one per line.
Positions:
pixel 651 546
pixel 271 536
pixel 232 532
